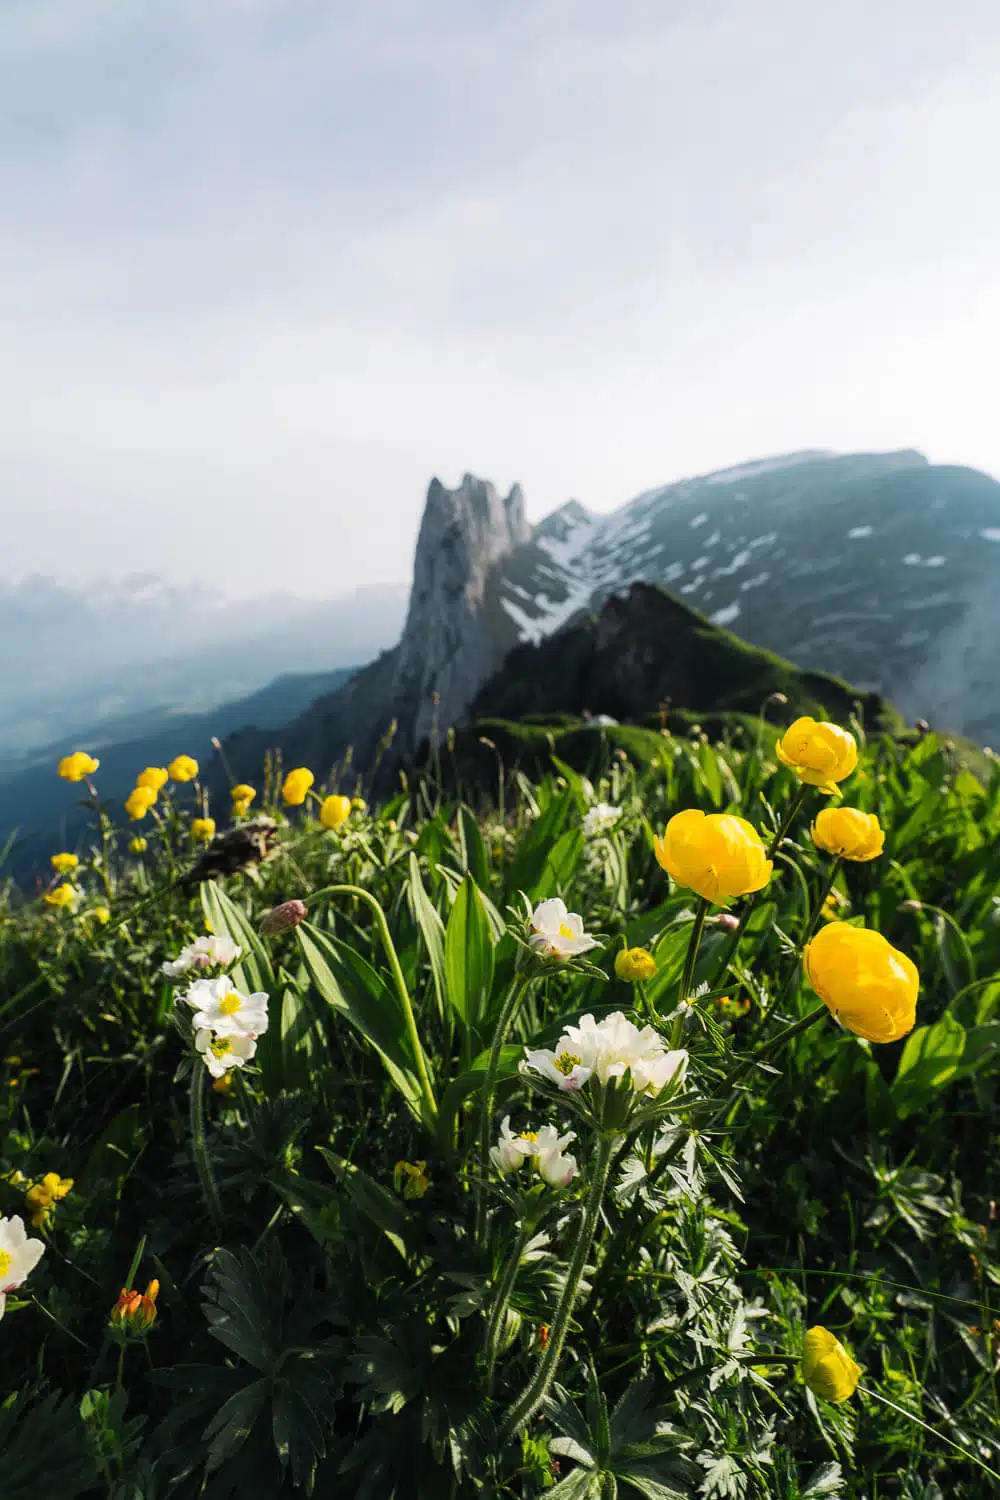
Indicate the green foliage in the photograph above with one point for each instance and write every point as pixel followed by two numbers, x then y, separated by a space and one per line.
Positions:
pixel 345 1331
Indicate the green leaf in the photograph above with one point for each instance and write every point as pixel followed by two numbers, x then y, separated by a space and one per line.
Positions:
pixel 527 870
pixel 459 1089
pixel 431 929
pixel 386 1211
pixel 468 955
pixel 473 850
pixel 930 1060
pixel 352 988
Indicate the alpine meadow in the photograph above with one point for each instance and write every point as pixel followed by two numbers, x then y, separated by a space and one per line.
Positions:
pixel 622 1125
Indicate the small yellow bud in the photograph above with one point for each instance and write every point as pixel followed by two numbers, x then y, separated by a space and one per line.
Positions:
pixel 138 846
pixel 827 1368
pixel 358 804
pixel 635 965
pixel 182 768
pixel 64 862
pixel 203 830
pixel 135 1312
pixel 335 811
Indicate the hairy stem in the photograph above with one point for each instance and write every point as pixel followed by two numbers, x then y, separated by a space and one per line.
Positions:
pixel 499 1309
pixel 199 1145
pixel 538 1388
pixel 694 942
pixel 510 1006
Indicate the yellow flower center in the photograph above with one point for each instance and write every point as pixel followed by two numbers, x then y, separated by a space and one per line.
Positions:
pixel 564 931
pixel 529 1135
pixel 566 1062
pixel 220 1046
pixel 5 1262
pixel 231 1003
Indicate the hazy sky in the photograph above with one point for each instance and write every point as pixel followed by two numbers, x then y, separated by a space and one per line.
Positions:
pixel 268 265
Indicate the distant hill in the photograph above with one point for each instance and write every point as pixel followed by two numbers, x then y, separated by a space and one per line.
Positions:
pixel 42 809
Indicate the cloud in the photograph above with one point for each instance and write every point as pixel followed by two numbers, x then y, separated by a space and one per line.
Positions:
pixel 269 265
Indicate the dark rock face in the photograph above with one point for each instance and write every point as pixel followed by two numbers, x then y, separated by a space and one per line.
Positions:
pixel 447 648
pixel 880 568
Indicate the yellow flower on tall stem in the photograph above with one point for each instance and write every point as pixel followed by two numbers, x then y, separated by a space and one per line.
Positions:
pixel 78 765
pixel 203 830
pixel 64 862
pixel 716 855
pixel 335 811
pixel 61 896
pixel 820 754
pixel 296 786
pixel 868 986
pixel 827 1368
pixel 154 777
pixel 848 833
pixel 182 768
pixel 139 801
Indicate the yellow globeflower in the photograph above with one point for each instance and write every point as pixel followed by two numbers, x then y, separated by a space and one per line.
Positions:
pixel 869 986
pixel 63 895
pixel 64 862
pixel 182 768
pixel 296 785
pixel 203 830
pixel 819 754
pixel 335 810
pixel 634 965
pixel 78 765
pixel 827 1368
pixel 138 846
pixel 154 777
pixel 139 801
pixel 243 793
pixel 716 855
pixel 849 833
pixel 358 804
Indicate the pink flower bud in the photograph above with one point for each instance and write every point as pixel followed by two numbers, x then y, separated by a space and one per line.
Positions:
pixel 281 918
pixel 727 921
pixel 912 906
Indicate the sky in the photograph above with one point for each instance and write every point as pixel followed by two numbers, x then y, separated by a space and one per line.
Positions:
pixel 266 266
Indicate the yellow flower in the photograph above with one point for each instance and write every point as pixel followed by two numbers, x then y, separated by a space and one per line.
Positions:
pixel 634 965
pixel 64 862
pixel 716 855
pixel 224 1084
pixel 155 777
pixel 827 1368
pixel 335 810
pixel 243 793
pixel 869 986
pixel 63 895
pixel 849 833
pixel 40 1198
pixel 819 754
pixel 99 914
pixel 410 1178
pixel 358 804
pixel 135 1312
pixel 138 846
pixel 78 765
pixel 139 801
pixel 296 785
pixel 727 1006
pixel 203 829
pixel 182 768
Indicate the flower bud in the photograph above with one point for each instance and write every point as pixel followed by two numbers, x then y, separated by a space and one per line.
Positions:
pixel 281 918
pixel 335 811
pixel 182 768
pixel 203 830
pixel 296 785
pixel 727 921
pixel 820 754
pixel 634 965
pixel 827 1368
pixel 134 1314
pixel 848 833
pixel 410 1179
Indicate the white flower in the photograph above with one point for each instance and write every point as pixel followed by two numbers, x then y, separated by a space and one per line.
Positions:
pixel 558 933
pixel 609 1049
pixel 18 1257
pixel 224 1052
pixel 222 1009
pixel 509 1152
pixel 550 1161
pixel 203 953
pixel 600 819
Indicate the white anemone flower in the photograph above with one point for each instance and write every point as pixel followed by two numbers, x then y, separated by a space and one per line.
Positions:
pixel 204 953
pixel 220 1008
pixel 558 933
pixel 600 819
pixel 220 1053
pixel 19 1256
pixel 548 1156
pixel 510 1150
pixel 609 1049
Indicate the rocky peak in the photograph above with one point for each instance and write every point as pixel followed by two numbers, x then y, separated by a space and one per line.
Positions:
pixel 448 649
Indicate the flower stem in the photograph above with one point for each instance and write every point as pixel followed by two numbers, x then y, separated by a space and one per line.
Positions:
pixel 525 1407
pixel 972 1457
pixel 814 917
pixel 409 1020
pixel 776 1042
pixel 694 942
pixel 751 901
pixel 510 1006
pixel 197 1117
pixel 503 1295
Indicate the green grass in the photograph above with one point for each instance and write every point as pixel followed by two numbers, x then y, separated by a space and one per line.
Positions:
pixel 319 1331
